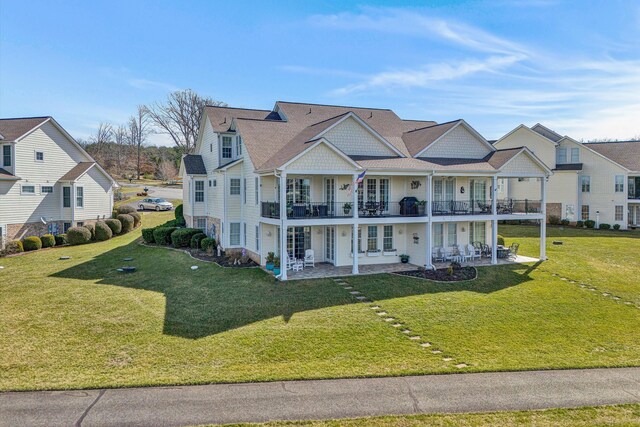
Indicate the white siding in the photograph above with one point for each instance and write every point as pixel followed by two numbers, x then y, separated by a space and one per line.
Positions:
pixel 321 157
pixel 353 139
pixel 97 196
pixel 544 149
pixel 458 143
pixel 522 164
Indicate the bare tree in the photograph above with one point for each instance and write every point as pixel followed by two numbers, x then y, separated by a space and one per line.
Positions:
pixel 179 116
pixel 139 127
pixel 167 170
pixel 121 148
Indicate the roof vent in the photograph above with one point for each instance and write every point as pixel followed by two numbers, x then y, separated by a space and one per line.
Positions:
pixel 370 114
pixel 309 111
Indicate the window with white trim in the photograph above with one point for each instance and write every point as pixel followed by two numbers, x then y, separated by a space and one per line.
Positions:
pixel 619 184
pixel 619 215
pixel 438 235
pixel 234 186
pixel 478 232
pixel 66 197
pixel 66 226
pixel 561 156
pixel 199 191
pixel 372 238
pixel 39 156
pixel 238 146
pixel 575 155
pixel 584 214
pixel 244 234
pixel 359 239
pixel 244 191
pixel 234 234
pixel 6 155
pixel 46 189
pixel 80 224
pixel 452 234
pixel 387 238
pixel 79 197
pixel 27 189
pixel 256 191
pixel 585 183
pixel 227 149
pixel 257 238
pixel 201 223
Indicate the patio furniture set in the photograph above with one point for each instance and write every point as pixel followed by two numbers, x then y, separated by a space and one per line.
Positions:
pixel 472 251
pixel 298 264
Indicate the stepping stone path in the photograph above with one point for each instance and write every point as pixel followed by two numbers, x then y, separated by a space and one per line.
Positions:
pixel 389 319
pixel 461 365
pixel 361 298
pixel 381 313
pixel 397 325
pixel 414 338
pixel 447 359
pixel 127 259
pixel 593 289
pixel 436 351
pixel 64 257
pixel 354 293
pixel 425 344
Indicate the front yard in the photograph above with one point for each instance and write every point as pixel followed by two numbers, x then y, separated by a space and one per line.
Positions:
pixel 79 323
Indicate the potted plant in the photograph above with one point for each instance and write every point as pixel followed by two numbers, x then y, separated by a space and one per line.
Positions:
pixel 421 204
pixel 270 257
pixel 347 208
pixel 276 266
pixel 373 252
pixel 404 258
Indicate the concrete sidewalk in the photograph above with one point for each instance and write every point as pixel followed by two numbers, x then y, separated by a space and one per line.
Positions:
pixel 294 400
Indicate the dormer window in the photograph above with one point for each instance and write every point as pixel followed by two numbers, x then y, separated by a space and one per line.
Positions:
pixel 575 155
pixel 6 155
pixel 39 156
pixel 226 147
pixel 561 156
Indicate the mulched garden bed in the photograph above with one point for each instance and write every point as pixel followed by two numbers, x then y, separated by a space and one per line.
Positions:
pixel 442 274
pixel 222 261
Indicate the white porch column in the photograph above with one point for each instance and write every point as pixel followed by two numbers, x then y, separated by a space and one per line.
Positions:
pixel 354 227
pixel 494 221
pixel 543 221
pixel 428 228
pixel 283 226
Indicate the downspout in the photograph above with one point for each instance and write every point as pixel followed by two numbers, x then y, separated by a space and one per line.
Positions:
pixel 282 230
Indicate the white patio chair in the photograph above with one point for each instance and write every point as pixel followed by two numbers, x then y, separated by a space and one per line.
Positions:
pixel 309 258
pixel 438 254
pixel 290 262
pixel 474 253
pixel 463 254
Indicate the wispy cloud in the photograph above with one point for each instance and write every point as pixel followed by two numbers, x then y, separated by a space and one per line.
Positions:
pixel 146 84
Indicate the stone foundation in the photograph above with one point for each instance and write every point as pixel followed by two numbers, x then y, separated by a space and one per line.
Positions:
pixel 238 251
pixel 20 231
pixel 554 209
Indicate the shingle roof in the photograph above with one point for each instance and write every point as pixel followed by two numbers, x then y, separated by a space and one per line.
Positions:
pixel 12 129
pixel 221 117
pixel 624 153
pixel 419 139
pixel 194 165
pixel 409 125
pixel 77 171
pixel 569 167
pixel 546 132
pixel 425 164
pixel 5 174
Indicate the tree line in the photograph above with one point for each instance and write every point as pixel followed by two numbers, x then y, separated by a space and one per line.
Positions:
pixel 124 151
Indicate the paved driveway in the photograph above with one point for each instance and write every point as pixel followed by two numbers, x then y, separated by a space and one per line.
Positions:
pixel 298 400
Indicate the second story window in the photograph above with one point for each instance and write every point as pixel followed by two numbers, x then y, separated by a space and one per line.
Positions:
pixel 619 184
pixel 238 146
pixel 39 156
pixel 226 147
pixel 561 156
pixel 575 155
pixel 6 155
pixel 66 197
pixel 586 184
pixel 199 191
pixel 28 189
pixel 234 186
pixel 79 197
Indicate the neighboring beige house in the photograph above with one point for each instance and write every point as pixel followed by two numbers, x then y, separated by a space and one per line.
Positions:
pixel 48 183
pixel 256 173
pixel 597 181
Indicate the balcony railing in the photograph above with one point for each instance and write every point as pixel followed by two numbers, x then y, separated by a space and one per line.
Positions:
pixel 513 206
pixel 309 210
pixel 461 207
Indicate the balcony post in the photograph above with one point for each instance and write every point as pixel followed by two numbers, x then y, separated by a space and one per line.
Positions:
pixel 427 229
pixel 283 226
pixel 543 221
pixel 494 221
pixel 354 227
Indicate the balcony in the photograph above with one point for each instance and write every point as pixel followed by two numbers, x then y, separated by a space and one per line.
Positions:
pixel 311 210
pixel 483 207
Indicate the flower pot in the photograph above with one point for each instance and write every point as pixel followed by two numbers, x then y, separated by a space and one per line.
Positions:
pixel 269 266
pixel 276 271
pixel 404 260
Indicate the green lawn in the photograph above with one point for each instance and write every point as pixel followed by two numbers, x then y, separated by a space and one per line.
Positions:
pixel 79 323
pixel 621 415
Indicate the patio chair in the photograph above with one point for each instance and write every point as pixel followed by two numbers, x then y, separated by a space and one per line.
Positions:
pixel 438 254
pixel 513 251
pixel 474 253
pixel 309 258
pixel 463 254
pixel 290 262
pixel 486 250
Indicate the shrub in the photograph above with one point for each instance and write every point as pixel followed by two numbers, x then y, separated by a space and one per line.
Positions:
pixel 137 219
pixel 92 230
pixel 103 231
pixel 147 235
pixel 48 241
pixel 179 213
pixel 32 243
pixel 554 219
pixel 181 238
pixel 114 213
pixel 78 236
pixel 500 240
pixel 580 224
pixel 564 221
pixel 127 222
pixel 590 223
pixel 125 209
pixel 605 226
pixel 208 243
pixel 162 235
pixel 196 239
pixel 61 239
pixel 616 226
pixel 13 247
pixel 115 225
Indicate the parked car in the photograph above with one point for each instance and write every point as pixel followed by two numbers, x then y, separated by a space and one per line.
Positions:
pixel 155 204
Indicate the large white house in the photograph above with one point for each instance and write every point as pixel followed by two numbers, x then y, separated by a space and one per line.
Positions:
pixel 48 183
pixel 596 181
pixel 282 181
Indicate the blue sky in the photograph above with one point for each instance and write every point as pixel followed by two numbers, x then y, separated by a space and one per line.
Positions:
pixel 574 66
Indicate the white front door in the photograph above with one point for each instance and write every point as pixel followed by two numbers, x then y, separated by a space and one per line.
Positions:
pixel 330 244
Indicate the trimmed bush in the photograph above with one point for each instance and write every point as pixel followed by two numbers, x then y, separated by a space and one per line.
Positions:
pixel 127 222
pixel 61 239
pixel 179 213
pixel 564 222
pixel 92 230
pixel 125 209
pixel 590 223
pixel 181 238
pixel 554 220
pixel 115 225
pixel 137 219
pixel 78 236
pixel 616 226
pixel 103 231
pixel 147 235
pixel 580 224
pixel 32 243
pixel 13 247
pixel 500 240
pixel 162 235
pixel 114 213
pixel 48 241
pixel 605 226
pixel 196 239
pixel 207 243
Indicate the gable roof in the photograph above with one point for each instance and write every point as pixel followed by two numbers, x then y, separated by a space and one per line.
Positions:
pixel 12 129
pixel 194 165
pixel 499 159
pixel 624 153
pixel 7 176
pixel 419 139
pixel 528 129
pixel 221 117
pixel 77 171
pixel 546 132
pixel 587 147
pixel 451 126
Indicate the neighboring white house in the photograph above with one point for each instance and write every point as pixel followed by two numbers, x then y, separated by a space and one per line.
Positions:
pixel 597 181
pixel 48 183
pixel 255 173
